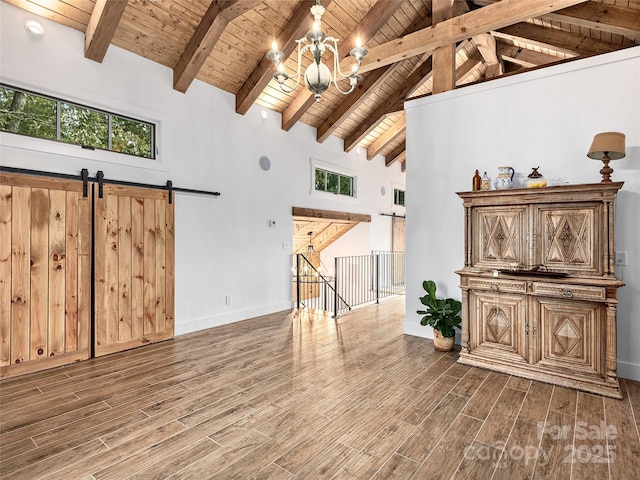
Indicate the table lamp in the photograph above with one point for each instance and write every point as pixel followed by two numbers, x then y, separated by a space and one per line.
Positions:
pixel 607 146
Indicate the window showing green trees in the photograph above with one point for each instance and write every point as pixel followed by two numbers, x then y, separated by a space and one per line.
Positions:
pixel 332 182
pixel 35 115
pixel 398 196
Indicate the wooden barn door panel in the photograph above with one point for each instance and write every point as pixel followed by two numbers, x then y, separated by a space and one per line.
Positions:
pixel 398 242
pixel 45 273
pixel 398 236
pixel 134 264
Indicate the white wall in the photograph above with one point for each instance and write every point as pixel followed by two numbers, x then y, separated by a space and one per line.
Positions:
pixel 223 245
pixel 544 118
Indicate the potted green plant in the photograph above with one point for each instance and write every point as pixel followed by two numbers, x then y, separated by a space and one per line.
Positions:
pixel 442 314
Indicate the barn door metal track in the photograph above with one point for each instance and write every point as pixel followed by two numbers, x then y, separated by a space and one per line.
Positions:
pixel 99 178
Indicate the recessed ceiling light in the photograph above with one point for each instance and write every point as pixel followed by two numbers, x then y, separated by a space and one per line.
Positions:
pixel 263 114
pixel 34 28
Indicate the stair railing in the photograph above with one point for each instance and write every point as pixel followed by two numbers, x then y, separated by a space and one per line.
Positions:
pixel 315 290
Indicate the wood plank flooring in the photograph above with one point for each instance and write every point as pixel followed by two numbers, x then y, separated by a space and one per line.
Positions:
pixel 304 396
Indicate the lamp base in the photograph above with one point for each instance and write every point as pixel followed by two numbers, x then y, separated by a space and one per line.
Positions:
pixel 606 171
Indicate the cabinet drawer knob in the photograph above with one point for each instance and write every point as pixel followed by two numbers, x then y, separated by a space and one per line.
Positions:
pixel 495 287
pixel 567 293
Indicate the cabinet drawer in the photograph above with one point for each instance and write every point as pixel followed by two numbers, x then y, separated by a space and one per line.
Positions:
pixel 496 285
pixel 581 292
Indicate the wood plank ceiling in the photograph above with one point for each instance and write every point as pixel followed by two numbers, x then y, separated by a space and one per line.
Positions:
pixel 224 42
pixel 325 227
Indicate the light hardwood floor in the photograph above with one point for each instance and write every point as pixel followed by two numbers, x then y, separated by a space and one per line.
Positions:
pixel 299 396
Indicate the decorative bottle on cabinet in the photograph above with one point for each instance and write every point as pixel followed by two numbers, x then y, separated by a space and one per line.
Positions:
pixel 485 182
pixel 476 181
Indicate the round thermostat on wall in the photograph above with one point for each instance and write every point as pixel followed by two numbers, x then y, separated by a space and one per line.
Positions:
pixel 382 191
pixel 265 163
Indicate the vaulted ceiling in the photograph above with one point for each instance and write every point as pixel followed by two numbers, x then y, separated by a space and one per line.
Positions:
pixel 413 45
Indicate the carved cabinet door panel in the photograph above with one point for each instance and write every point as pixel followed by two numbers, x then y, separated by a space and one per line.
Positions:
pixel 570 336
pixel 567 238
pixel 501 330
pixel 499 239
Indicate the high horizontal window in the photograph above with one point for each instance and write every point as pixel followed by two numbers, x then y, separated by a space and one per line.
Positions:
pixel 332 182
pixel 40 116
pixel 398 196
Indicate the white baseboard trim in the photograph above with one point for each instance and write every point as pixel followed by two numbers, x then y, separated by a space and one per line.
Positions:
pixel 629 370
pixel 189 326
pixel 418 330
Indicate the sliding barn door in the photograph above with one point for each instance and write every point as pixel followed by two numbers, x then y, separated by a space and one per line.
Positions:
pixel 398 245
pixel 134 268
pixel 45 273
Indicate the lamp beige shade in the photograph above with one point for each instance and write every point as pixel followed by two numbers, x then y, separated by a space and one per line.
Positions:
pixel 607 144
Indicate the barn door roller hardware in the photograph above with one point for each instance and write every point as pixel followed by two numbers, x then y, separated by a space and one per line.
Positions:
pixel 100 177
pixel 84 173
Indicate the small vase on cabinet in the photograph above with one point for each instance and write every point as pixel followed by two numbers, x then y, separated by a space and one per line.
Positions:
pixel 504 180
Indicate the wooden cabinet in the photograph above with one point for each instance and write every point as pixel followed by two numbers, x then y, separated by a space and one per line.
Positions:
pixel 539 291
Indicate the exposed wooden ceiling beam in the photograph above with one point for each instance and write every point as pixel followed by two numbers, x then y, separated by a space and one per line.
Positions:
pixel 330 214
pixel 101 28
pixel 353 101
pixel 296 27
pixel 467 66
pixel 491 17
pixel 523 57
pixel 486 45
pixel 444 57
pixel 373 20
pixel 569 43
pixel 211 27
pixel 614 19
pixel 398 154
pixel 605 17
pixel 387 137
pixel 342 113
pixel 392 104
pixel 396 101
pixel 350 144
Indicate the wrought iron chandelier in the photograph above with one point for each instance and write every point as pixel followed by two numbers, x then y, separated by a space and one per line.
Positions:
pixel 311 269
pixel 317 77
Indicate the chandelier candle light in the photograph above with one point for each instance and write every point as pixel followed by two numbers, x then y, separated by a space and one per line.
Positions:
pixel 317 76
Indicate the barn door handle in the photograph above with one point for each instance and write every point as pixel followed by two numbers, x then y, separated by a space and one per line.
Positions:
pixel 170 188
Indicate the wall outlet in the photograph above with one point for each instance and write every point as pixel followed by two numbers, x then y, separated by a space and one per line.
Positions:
pixel 620 258
pixel 227 299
